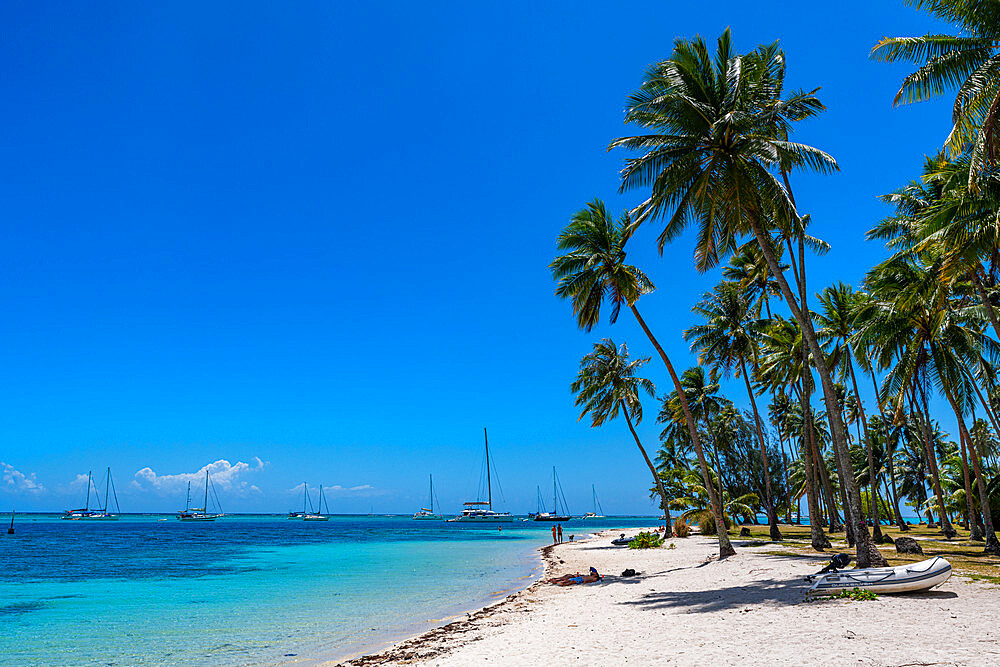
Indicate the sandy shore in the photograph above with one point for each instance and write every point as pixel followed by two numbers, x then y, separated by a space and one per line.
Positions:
pixel 685 607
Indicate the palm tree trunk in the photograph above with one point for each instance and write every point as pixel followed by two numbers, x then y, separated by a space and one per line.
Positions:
pixel 981 290
pixel 817 539
pixel 656 476
pixel 975 533
pixel 946 527
pixel 872 476
pixel 725 548
pixel 992 545
pixel 867 553
pixel 895 493
pixel 772 515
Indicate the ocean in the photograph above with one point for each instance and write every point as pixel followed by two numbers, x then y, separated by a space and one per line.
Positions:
pixel 148 589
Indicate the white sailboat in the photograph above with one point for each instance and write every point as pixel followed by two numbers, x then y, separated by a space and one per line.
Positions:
pixel 427 513
pixel 482 511
pixel 318 514
pixel 554 515
pixel 100 513
pixel 598 512
pixel 199 513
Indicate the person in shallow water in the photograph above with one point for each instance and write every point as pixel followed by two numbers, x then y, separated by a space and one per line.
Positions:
pixel 559 530
pixel 554 535
pixel 571 579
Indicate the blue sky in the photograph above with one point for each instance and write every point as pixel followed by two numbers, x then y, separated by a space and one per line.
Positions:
pixel 309 241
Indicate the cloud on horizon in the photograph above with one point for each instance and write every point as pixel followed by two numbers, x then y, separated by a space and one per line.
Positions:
pixel 337 490
pixel 13 480
pixel 225 475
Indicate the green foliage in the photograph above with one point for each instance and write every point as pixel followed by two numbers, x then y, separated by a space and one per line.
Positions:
pixel 645 541
pixel 681 528
pixel 859 594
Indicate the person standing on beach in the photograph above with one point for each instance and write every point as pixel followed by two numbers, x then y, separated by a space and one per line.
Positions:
pixel 559 528
pixel 554 535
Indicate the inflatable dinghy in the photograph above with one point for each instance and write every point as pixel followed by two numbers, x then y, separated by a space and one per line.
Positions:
pixel 914 577
pixel 621 541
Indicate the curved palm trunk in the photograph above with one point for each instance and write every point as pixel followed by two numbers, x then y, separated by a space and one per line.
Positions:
pixel 895 494
pixel 872 476
pixel 867 553
pixel 772 515
pixel 946 527
pixel 725 548
pixel 981 290
pixel 652 469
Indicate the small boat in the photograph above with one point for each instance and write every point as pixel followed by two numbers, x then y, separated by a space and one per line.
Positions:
pixel 427 513
pixel 100 513
pixel 922 576
pixel 622 541
pixel 554 515
pixel 318 514
pixel 598 512
pixel 481 511
pixel 200 513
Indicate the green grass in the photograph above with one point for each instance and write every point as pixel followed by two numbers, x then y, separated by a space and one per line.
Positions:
pixel 967 558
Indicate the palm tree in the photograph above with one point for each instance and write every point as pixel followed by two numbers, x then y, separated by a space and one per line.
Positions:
pixel 718 135
pixel 727 340
pixel 968 61
pixel 836 321
pixel 606 384
pixel 592 270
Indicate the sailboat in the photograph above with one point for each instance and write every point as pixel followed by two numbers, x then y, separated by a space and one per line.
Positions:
pixel 305 503
pixel 482 511
pixel 198 513
pixel 318 514
pixel 598 512
pixel 427 513
pixel 554 515
pixel 99 514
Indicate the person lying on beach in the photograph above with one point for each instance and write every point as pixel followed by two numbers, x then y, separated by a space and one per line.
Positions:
pixel 570 579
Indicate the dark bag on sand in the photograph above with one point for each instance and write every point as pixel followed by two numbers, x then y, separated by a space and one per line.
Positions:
pixel 628 573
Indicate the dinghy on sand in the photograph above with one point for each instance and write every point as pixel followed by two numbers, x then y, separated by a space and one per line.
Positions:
pixel 911 578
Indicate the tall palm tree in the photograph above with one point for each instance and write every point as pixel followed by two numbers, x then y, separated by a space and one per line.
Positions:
pixel 606 385
pixel 594 270
pixel 728 340
pixel 969 61
pixel 717 142
pixel 836 322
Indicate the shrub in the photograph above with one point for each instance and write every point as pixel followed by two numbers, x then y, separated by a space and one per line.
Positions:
pixel 645 541
pixel 681 529
pixel 860 594
pixel 706 521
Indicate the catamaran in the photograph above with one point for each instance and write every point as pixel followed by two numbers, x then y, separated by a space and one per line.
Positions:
pixel 318 514
pixel 598 512
pixel 427 513
pixel 99 514
pixel 554 515
pixel 479 510
pixel 199 513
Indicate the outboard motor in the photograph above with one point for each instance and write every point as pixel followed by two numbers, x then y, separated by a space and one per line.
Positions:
pixel 838 562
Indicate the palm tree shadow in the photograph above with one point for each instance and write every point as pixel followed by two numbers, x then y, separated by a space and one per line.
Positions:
pixel 762 592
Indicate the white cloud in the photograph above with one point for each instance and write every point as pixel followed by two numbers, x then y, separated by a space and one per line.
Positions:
pixel 225 476
pixel 338 490
pixel 15 481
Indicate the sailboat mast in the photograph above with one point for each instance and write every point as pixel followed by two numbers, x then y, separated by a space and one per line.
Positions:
pixel 205 510
pixel 489 486
pixel 593 490
pixel 187 503
pixel 87 505
pixel 107 487
pixel 305 494
pixel 431 499
pixel 555 496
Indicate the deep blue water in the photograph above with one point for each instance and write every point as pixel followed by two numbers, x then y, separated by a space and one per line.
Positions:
pixel 247 589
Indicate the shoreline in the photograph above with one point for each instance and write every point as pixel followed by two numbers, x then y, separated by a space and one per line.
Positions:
pixel 685 606
pixel 413 646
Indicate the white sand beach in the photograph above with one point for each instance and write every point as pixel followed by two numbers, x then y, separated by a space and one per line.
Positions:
pixel 686 607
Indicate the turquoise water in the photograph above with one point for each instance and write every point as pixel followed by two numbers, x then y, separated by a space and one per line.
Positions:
pixel 248 589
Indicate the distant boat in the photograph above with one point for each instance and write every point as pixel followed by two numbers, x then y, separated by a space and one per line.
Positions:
pixel 482 511
pixel 99 514
pixel 427 513
pixel 199 513
pixel 318 514
pixel 598 512
pixel 554 515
